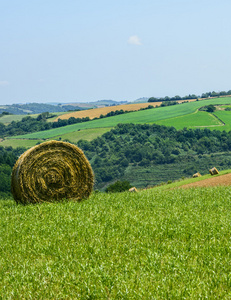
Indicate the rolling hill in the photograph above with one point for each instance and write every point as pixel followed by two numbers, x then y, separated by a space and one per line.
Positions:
pixel 6 119
pixel 97 112
pixel 171 116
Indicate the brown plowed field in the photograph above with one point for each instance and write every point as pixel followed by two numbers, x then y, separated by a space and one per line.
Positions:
pixel 96 112
pixel 213 181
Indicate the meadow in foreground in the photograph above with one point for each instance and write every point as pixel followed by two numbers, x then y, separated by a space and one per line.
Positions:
pixel 150 245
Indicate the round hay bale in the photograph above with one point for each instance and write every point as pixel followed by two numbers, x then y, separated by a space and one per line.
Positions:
pixel 51 172
pixel 196 175
pixel 133 189
pixel 213 171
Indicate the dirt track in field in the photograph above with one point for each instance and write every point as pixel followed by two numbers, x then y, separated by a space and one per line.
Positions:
pixel 215 180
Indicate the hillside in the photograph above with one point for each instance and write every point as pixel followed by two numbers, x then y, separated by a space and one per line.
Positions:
pixel 176 115
pixel 33 108
pixel 103 111
pixel 95 104
pixel 223 180
pixel 148 155
pixel 145 155
pixel 8 118
pixel 172 244
pixel 38 108
pixel 97 112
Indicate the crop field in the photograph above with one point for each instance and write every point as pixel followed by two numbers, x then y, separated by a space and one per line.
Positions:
pixel 194 120
pixel 73 137
pixel 140 117
pixel 9 118
pixel 96 112
pixel 225 116
pixel 14 143
pixel 87 134
pixel 172 244
pixel 56 114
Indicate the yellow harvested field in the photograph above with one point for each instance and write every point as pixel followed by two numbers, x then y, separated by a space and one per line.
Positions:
pixel 96 112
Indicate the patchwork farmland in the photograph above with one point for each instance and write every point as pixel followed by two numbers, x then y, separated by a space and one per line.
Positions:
pixel 97 112
pixel 179 116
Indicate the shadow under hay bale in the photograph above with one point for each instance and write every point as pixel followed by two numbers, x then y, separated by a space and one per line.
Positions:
pixel 196 175
pixel 51 171
pixel 213 171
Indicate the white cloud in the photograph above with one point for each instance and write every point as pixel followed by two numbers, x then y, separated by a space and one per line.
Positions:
pixel 4 83
pixel 134 40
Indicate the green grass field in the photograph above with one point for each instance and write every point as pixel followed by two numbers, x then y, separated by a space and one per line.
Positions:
pixel 74 137
pixel 140 117
pixel 14 143
pixel 226 106
pixel 225 116
pixel 154 244
pixel 87 134
pixel 9 118
pixel 194 120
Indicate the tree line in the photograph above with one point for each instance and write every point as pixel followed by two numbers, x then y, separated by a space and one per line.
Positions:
pixel 188 97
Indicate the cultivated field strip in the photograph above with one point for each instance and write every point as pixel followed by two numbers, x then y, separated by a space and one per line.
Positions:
pixel 139 117
pixel 96 112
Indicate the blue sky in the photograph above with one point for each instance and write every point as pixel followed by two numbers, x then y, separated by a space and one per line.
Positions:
pixel 71 51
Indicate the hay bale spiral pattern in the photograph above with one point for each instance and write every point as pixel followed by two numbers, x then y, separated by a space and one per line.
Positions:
pixel 51 172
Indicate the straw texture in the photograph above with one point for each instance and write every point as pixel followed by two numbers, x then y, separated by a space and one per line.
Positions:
pixel 213 171
pixel 51 172
pixel 196 175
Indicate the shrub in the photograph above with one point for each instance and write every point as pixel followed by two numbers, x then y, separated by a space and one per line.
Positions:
pixel 118 186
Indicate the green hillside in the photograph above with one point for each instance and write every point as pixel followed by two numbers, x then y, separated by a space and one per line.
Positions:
pixel 14 143
pixel 143 154
pixel 74 137
pixel 225 116
pixel 33 108
pixel 6 119
pixel 140 117
pixel 147 155
pixel 198 119
pixel 168 244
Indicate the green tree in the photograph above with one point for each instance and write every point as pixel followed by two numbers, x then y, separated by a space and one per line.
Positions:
pixel 118 186
pixel 211 108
